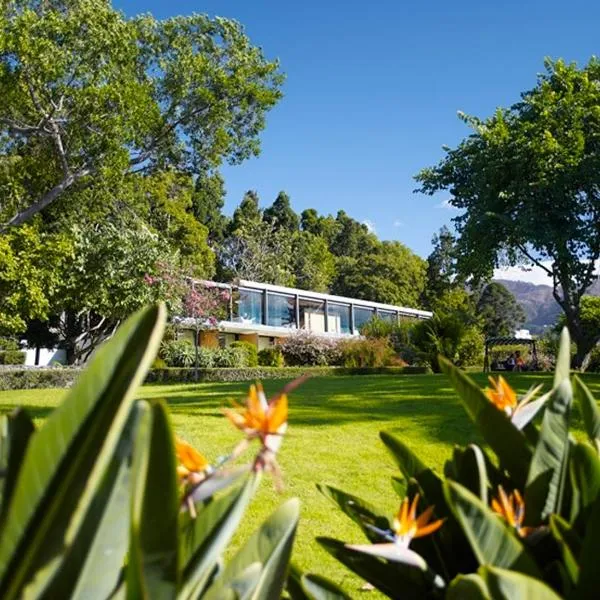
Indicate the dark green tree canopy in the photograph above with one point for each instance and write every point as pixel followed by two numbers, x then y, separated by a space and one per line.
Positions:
pixel 499 310
pixel 441 267
pixel 281 214
pixel 89 96
pixel 527 183
pixel 247 213
pixel 208 200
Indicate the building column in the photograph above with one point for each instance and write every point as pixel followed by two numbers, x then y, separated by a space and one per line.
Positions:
pixel 352 319
pixel 326 309
pixel 265 310
pixel 297 311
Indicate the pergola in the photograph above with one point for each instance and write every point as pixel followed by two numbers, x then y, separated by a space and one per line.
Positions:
pixel 507 341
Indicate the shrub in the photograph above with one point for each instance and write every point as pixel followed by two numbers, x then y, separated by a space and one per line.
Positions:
pixel 98 489
pixel 471 349
pixel 12 357
pixel 159 363
pixel 594 364
pixel 377 328
pixel 251 352
pixel 9 344
pixel 229 358
pixel 305 349
pixel 270 357
pixel 524 523
pixel 366 352
pixel 38 378
pixel 178 353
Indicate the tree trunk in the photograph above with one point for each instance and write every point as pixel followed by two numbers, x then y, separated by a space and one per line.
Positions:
pixel 580 338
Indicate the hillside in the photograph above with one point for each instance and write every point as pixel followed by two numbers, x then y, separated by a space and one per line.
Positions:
pixel 538 303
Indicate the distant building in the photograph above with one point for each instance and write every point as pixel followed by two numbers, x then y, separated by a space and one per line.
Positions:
pixel 523 334
pixel 262 314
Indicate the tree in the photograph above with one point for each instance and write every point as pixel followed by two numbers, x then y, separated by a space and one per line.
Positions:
pixel 258 252
pixel 325 227
pixel 281 214
pixel 527 181
pixel 391 274
pixel 590 322
pixel 208 200
pixel 247 214
pixel 499 310
pixel 352 238
pixel 89 97
pixel 117 268
pixel 314 265
pixel 31 267
pixel 441 267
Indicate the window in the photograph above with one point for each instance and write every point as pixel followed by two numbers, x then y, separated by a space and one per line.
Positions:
pixel 312 315
pixel 362 315
pixel 250 307
pixel 387 315
pixel 282 310
pixel 338 318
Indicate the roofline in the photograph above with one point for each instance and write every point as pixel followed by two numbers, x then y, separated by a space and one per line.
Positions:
pixel 279 289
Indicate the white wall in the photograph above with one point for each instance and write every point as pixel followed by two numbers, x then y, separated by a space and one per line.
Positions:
pixel 47 357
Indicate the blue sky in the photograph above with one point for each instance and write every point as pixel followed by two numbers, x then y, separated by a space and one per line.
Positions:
pixel 373 88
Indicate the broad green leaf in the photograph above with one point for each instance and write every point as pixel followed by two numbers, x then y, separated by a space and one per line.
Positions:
pixel 492 540
pixel 320 588
pixel 471 472
pixel 16 430
pixel 358 510
pixel 271 546
pixel 216 525
pixel 548 474
pixel 509 444
pixel 563 360
pixel 395 580
pixel 589 411
pixel 468 587
pixel 510 585
pixel 584 469
pixel 155 509
pixel 589 573
pixel 64 464
pixel 570 545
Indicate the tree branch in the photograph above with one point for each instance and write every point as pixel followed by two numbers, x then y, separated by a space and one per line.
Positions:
pixel 49 197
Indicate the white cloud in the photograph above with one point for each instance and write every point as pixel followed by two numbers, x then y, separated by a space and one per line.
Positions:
pixel 398 223
pixel 446 205
pixel 535 275
pixel 370 225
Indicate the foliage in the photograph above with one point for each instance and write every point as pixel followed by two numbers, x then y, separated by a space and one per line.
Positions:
pixel 271 357
pixel 391 274
pixel 251 352
pixel 499 310
pixel 441 267
pixel 440 335
pixel 367 352
pixel 208 200
pixel 12 357
pixel 314 265
pixel 522 524
pixel 9 344
pixel 589 317
pixel 39 378
pixel 104 501
pixel 281 214
pixel 178 353
pixel 305 349
pixel 230 358
pixel 90 97
pixel 471 348
pixel 31 264
pixel 526 183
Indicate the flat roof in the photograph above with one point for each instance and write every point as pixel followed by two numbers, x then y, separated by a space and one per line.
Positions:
pixel 279 289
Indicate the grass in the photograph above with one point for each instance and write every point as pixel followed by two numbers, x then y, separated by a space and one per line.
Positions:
pixel 333 438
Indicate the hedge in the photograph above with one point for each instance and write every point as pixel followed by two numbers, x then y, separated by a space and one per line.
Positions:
pixel 27 379
pixel 12 357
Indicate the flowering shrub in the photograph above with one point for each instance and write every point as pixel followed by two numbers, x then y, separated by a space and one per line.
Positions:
pixel 305 349
pixel 524 523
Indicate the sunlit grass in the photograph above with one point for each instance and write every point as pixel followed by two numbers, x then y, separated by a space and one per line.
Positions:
pixel 333 438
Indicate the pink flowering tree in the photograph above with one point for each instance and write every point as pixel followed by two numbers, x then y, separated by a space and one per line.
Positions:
pixel 204 304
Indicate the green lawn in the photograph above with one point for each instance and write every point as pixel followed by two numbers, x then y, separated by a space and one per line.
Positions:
pixel 333 438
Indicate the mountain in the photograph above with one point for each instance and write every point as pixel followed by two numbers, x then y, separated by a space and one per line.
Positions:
pixel 538 302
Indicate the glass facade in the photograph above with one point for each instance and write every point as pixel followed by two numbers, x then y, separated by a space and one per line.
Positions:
pixel 387 315
pixel 312 315
pixel 362 315
pixel 250 306
pixel 281 310
pixel 338 318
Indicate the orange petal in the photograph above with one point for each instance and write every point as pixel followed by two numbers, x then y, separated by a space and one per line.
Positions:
pixel 236 418
pixel 277 413
pixel 496 507
pixel 189 457
pixel 424 517
pixel 429 528
pixel 413 509
pixel 506 506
